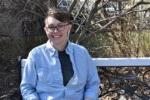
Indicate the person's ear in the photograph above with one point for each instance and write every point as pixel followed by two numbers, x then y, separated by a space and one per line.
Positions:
pixel 45 29
pixel 70 26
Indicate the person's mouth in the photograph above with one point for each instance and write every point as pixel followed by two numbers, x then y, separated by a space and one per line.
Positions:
pixel 56 36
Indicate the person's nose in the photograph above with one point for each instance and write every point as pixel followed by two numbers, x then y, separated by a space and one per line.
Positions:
pixel 56 29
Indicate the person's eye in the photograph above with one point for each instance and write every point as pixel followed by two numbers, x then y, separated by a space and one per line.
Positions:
pixel 51 27
pixel 60 26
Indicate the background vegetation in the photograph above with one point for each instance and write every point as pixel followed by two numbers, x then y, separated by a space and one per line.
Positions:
pixel 107 28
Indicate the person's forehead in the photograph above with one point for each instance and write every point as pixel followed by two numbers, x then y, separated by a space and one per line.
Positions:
pixel 52 20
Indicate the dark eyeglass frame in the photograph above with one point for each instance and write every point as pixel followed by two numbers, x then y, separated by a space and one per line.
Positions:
pixel 59 27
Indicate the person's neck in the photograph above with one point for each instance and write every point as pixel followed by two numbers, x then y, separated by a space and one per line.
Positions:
pixel 60 47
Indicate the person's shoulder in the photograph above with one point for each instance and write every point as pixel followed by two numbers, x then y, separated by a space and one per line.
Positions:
pixel 80 50
pixel 38 49
pixel 78 47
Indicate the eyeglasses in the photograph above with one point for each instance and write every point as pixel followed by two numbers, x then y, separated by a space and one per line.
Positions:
pixel 59 27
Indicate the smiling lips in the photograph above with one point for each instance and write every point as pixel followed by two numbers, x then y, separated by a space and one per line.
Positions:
pixel 56 36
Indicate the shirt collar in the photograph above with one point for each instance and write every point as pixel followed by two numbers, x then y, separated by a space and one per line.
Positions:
pixel 50 47
pixel 69 48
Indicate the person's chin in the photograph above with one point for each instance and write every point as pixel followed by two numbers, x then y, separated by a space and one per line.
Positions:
pixel 57 41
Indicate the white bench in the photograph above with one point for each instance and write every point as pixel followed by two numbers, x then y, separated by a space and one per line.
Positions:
pixel 115 62
pixel 121 62
pixel 112 62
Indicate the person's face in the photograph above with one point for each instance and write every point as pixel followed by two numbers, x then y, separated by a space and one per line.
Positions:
pixel 56 31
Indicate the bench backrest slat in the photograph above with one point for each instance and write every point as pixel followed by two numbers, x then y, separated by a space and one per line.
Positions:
pixel 121 62
pixel 115 62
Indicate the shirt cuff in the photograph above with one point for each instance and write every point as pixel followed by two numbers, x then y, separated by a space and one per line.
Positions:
pixel 32 97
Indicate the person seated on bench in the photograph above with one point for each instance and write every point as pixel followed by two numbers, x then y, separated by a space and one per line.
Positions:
pixel 59 69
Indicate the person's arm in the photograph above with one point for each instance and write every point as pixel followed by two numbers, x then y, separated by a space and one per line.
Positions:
pixel 93 82
pixel 29 78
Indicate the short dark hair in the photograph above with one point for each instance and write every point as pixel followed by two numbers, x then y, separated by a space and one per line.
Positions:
pixel 60 15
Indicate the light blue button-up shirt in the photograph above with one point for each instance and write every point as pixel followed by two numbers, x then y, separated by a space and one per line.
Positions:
pixel 42 77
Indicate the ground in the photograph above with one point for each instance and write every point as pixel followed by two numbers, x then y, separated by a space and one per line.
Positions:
pixel 9 80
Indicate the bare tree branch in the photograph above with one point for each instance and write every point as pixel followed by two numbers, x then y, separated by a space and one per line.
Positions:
pixel 72 5
pixel 137 4
pixel 82 6
pixel 39 6
pixel 52 3
pixel 93 11
pixel 114 18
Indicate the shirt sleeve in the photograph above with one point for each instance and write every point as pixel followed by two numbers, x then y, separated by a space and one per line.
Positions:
pixel 29 78
pixel 93 82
